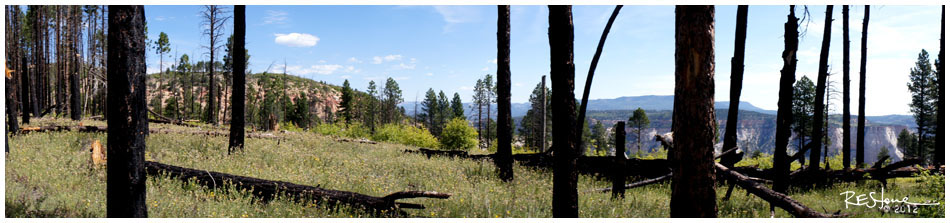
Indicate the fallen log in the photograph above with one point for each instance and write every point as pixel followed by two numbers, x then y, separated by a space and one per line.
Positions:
pixel 165 120
pixel 638 183
pixel 775 198
pixel 367 141
pixel 268 189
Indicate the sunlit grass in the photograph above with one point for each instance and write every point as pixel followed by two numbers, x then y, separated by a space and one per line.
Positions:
pixel 50 175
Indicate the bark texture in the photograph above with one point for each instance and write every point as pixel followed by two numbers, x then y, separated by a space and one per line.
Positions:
pixel 694 118
pixel 817 128
pixel 783 120
pixel 125 195
pixel 846 81
pixel 735 87
pixel 503 159
pixel 236 138
pixel 564 108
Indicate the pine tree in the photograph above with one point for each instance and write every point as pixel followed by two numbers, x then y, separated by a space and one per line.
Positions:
pixel 458 111
pixel 639 121
pixel 923 89
pixel 346 101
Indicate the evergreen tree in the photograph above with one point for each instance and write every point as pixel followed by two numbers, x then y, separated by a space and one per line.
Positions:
pixel 346 101
pixel 923 89
pixel 430 108
pixel 392 97
pixel 531 125
pixel 600 140
pixel 371 107
pixel 803 94
pixel 907 143
pixel 458 110
pixel 444 113
pixel 639 121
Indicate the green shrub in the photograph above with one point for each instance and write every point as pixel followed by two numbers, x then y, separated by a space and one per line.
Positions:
pixel 406 135
pixel 289 126
pixel 458 135
pixel 356 130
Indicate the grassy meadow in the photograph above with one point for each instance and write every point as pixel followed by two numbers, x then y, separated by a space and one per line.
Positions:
pixel 51 175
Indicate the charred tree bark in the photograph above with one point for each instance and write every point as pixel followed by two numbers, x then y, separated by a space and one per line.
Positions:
pixel 128 116
pixel 859 151
pixel 236 138
pixel 735 87
pixel 563 106
pixel 75 111
pixel 620 159
pixel 846 81
pixel 783 120
pixel 13 57
pixel 941 71
pixel 774 198
pixel 819 105
pixel 503 158
pixel 694 118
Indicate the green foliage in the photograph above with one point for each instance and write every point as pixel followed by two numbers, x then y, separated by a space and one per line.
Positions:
pixel 458 111
pixel 924 97
pixel 882 153
pixel 406 135
pixel 931 186
pixel 346 101
pixel 531 124
pixel 803 99
pixel 355 130
pixel 599 137
pixel 639 120
pixel 458 135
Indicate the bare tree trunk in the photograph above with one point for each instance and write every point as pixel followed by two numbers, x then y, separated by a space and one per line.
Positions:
pixel 74 109
pixel 819 105
pixel 128 121
pixel 846 81
pixel 783 120
pixel 544 115
pixel 236 139
pixel 735 88
pixel 694 117
pixel 940 149
pixel 859 152
pixel 13 57
pixel 503 156
pixel 620 146
pixel 563 106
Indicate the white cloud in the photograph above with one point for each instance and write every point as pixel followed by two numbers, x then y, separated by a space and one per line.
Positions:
pixel 495 61
pixel 486 68
pixel 405 66
pixel 296 39
pixel 400 78
pixel 519 84
pixel 354 60
pixel 323 69
pixel 465 88
pixel 387 58
pixel 429 74
pixel 345 77
pixel 275 17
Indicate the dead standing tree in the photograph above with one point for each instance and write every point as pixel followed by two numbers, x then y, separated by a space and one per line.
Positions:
pixel 503 158
pixel 859 151
pixel 846 81
pixel 694 118
pixel 214 19
pixel 236 138
pixel 128 116
pixel 941 71
pixel 620 137
pixel 735 90
pixel 783 120
pixel 819 105
pixel 563 107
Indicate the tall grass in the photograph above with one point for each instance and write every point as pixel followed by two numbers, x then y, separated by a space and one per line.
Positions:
pixel 50 175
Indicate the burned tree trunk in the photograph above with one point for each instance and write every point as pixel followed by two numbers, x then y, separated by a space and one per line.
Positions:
pixel 503 158
pixel 75 111
pixel 236 138
pixel 563 106
pixel 12 55
pixel 819 105
pixel 735 87
pixel 620 138
pixel 859 151
pixel 846 81
pixel 941 71
pixel 783 120
pixel 694 118
pixel 128 117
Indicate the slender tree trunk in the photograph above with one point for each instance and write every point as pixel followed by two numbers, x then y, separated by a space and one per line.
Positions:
pixel 735 87
pixel 544 115
pixel 128 121
pixel 211 94
pixel 236 140
pixel 694 117
pixel 784 119
pixel 74 103
pixel 859 152
pixel 940 150
pixel 563 106
pixel 503 156
pixel 620 137
pixel 12 57
pixel 846 81
pixel 819 105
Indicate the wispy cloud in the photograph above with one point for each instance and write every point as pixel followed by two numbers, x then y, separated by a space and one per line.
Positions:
pixel 276 17
pixel 322 69
pixel 387 58
pixel 453 15
pixel 296 39
pixel 354 60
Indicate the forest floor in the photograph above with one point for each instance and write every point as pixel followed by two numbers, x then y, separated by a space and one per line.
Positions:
pixel 51 175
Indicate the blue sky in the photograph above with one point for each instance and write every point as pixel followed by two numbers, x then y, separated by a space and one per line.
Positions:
pixel 449 47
